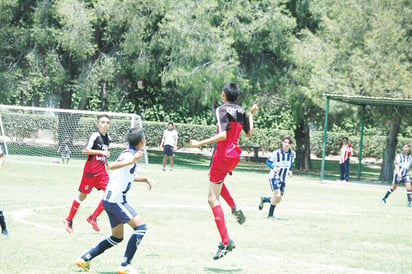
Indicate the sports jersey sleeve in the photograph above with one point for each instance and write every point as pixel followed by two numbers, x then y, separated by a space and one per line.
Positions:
pixel 246 126
pixel 92 138
pixel 222 119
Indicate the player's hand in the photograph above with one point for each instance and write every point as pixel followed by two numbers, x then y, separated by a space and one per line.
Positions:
pixel 253 109
pixel 105 153
pixel 150 183
pixel 195 143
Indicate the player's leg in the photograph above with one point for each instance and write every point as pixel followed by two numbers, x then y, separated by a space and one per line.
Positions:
pixel 342 171
pixel 266 199
pixel 408 191
pixel 277 194
pixel 236 211
pixel 139 231
pixel 226 244
pixel 4 232
pixel 68 221
pixel 171 162
pixel 395 183
pixel 346 172
pixel 101 184
pixel 116 238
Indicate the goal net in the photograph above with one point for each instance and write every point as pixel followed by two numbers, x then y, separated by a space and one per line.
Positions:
pixel 60 133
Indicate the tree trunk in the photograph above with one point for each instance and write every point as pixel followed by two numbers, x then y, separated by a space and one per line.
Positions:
pixel 302 138
pixel 105 96
pixel 390 150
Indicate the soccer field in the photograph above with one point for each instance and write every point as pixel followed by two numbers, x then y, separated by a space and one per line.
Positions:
pixel 322 227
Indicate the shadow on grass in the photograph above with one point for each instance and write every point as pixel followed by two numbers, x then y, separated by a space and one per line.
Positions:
pixel 220 270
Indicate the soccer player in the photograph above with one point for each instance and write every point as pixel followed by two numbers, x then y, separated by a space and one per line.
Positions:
pixel 64 149
pixel 231 119
pixel 4 232
pixel 345 153
pixel 94 172
pixel 118 209
pixel 169 145
pixel 403 162
pixel 280 164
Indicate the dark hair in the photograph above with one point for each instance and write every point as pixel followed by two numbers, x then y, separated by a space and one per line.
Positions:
pixel 345 138
pixel 405 144
pixel 103 116
pixel 287 137
pixel 135 136
pixel 232 91
pixel 170 123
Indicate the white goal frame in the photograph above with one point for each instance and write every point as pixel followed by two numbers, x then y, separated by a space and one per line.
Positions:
pixel 135 120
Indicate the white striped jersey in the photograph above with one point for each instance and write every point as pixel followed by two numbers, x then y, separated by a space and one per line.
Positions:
pixel 284 161
pixel 404 163
pixel 121 179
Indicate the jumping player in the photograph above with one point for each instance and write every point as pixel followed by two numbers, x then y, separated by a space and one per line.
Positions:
pixel 118 209
pixel 403 161
pixel 231 119
pixel 280 164
pixel 94 172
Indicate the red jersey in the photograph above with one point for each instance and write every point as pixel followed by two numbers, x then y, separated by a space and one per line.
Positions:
pixel 233 119
pixel 96 164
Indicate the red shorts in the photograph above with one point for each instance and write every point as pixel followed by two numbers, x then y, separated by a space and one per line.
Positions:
pixel 90 181
pixel 221 167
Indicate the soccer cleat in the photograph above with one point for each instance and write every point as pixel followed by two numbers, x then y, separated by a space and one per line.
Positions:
pixel 272 218
pixel 126 269
pixel 238 213
pixel 223 250
pixel 261 203
pixel 383 201
pixel 85 266
pixel 93 223
pixel 163 169
pixel 409 204
pixel 68 225
pixel 5 233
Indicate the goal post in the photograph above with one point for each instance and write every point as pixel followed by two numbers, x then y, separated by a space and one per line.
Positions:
pixel 39 132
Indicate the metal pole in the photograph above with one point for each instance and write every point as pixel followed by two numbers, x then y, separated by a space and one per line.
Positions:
pixel 361 140
pixel 325 130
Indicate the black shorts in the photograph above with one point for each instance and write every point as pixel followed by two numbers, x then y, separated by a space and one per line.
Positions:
pixel 168 150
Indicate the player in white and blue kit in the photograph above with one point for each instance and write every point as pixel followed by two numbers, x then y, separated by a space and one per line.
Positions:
pixel 280 164
pixel 403 162
pixel 118 209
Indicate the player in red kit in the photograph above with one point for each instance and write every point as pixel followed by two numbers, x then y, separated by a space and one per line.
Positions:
pixel 94 172
pixel 231 120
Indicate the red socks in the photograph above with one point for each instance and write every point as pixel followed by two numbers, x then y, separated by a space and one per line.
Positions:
pixel 73 210
pixel 220 223
pixel 98 211
pixel 224 193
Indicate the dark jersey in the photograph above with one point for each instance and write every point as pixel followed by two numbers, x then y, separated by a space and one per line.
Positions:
pixel 95 164
pixel 232 119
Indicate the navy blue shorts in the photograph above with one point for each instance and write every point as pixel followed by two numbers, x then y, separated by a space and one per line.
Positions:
pixel 168 150
pixel 276 184
pixel 119 213
pixel 404 179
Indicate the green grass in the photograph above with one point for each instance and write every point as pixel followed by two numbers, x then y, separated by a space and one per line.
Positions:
pixel 323 227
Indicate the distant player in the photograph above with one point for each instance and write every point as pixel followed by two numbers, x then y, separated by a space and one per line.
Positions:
pixel 280 164
pixel 94 172
pixel 169 145
pixel 4 232
pixel 118 209
pixel 403 162
pixel 231 119
pixel 346 151
pixel 65 151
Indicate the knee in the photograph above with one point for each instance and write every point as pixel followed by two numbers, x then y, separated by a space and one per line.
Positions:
pixel 116 240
